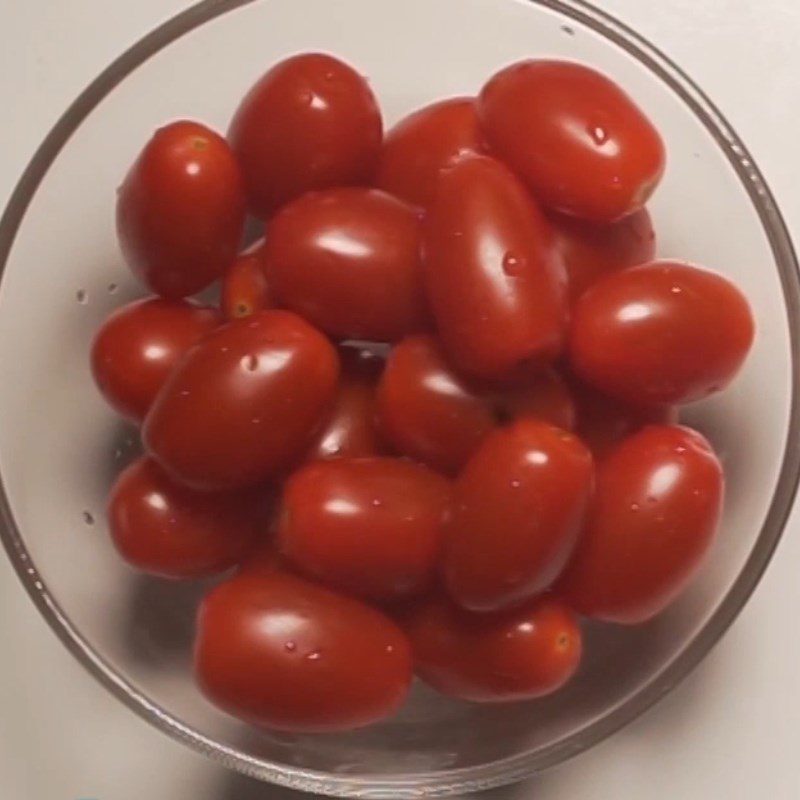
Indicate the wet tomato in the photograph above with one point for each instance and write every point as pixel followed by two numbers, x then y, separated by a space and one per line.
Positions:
pixel 181 210
pixel 518 507
pixel 165 529
pixel 285 654
pixel 574 136
pixel 310 123
pixel 243 402
pixel 501 657
pixel 349 261
pixel 135 350
pixel 661 334
pixel 368 526
pixel 652 520
pixel 494 283
pixel 244 286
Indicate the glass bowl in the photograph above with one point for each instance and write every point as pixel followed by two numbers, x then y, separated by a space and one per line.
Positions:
pixel 60 446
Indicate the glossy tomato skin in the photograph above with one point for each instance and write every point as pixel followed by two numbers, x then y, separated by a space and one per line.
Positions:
pixel 502 657
pixel 372 527
pixel 603 422
pixel 243 402
pixel 181 210
pixel 165 529
pixel 653 518
pixel 424 143
pixel 591 250
pixel 518 507
pixel 574 136
pixel 351 430
pixel 286 654
pixel 311 122
pixel 494 283
pixel 427 410
pixel 245 289
pixel 661 334
pixel 349 261
pixel 135 350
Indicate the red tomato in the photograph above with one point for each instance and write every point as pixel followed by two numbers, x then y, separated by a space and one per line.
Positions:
pixel 171 531
pixel 428 411
pixel 425 142
pixel 243 402
pixel 310 123
pixel 181 210
pixel 282 653
pixel 139 344
pixel 350 430
pixel 517 510
pixel 574 136
pixel 244 286
pixel 368 526
pixel 659 334
pixel 495 658
pixel 653 518
pixel 495 287
pixel 348 260
pixel 603 422
pixel 591 250
pixel 544 394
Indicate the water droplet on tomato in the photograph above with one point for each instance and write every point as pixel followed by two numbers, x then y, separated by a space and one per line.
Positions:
pixel 513 265
pixel 599 134
pixel 290 647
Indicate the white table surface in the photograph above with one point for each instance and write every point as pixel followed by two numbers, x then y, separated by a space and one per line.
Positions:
pixel 730 731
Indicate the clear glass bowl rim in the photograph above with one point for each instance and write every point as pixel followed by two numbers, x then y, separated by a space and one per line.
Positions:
pixel 508 770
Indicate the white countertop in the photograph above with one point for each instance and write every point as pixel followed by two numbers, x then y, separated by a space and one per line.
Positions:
pixel 730 731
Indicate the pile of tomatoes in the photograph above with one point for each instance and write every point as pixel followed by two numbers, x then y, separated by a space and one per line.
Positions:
pixel 432 419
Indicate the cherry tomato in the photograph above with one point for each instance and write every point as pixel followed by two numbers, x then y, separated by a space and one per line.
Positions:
pixel 139 344
pixel 181 210
pixel 351 430
pixel 660 334
pixel 425 142
pixel 368 526
pixel 517 510
pixel 496 289
pixel 171 531
pixel 574 136
pixel 348 260
pixel 283 653
pixel 603 422
pixel 544 394
pixel 427 410
pixel 591 250
pixel 244 286
pixel 243 402
pixel 501 657
pixel 653 518
pixel 310 123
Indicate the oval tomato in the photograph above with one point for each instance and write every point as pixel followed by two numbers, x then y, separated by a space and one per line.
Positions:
pixel 135 350
pixel 368 526
pixel 244 286
pixel 243 402
pixel 348 260
pixel 495 286
pixel 591 250
pixel 283 653
pixel 661 334
pixel 311 122
pixel 517 510
pixel 653 518
pixel 502 657
pixel 422 144
pixel 181 210
pixel 574 136
pixel 350 430
pixel 427 410
pixel 173 532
